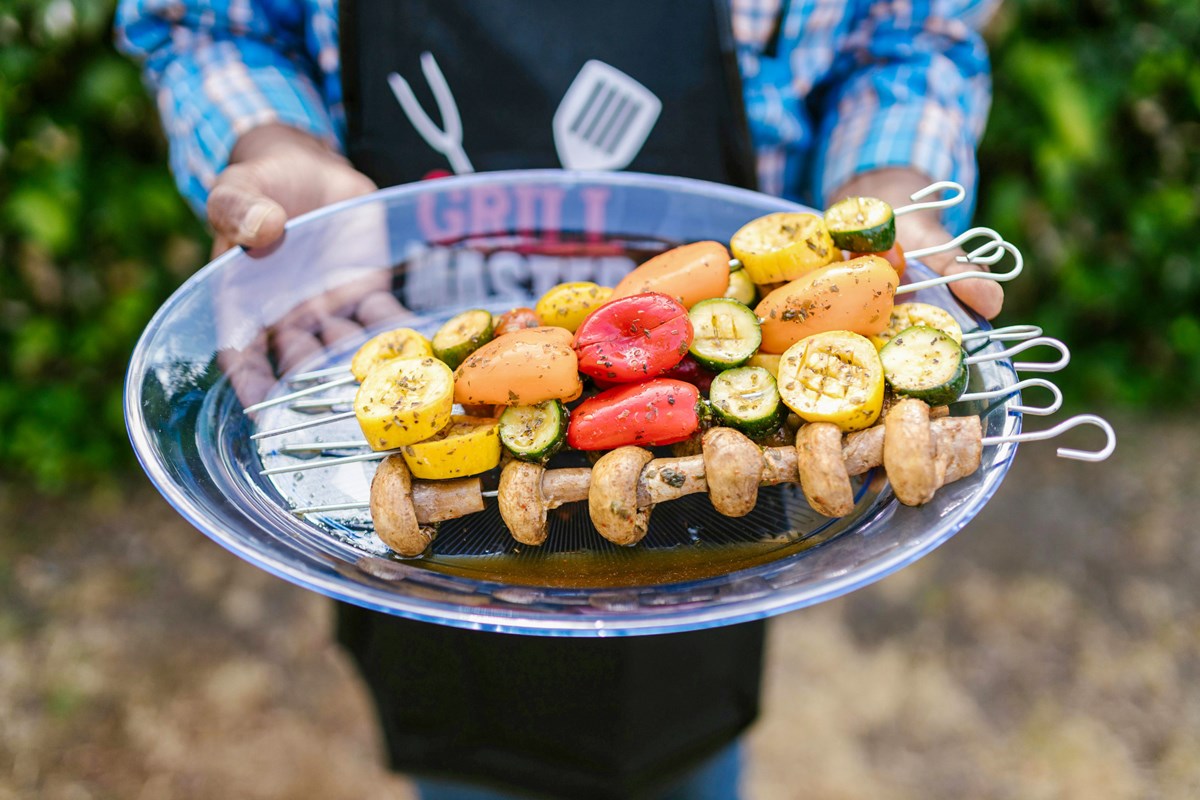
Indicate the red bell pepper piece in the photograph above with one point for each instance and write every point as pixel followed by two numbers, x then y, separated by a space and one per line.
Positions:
pixel 633 338
pixel 659 411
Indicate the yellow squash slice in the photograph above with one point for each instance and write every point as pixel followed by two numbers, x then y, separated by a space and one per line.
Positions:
pixel 404 401
pixel 568 304
pixel 906 315
pixel 400 343
pixel 467 446
pixel 835 377
pixel 783 246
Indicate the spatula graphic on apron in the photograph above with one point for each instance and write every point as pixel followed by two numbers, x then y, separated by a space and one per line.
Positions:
pixel 603 119
pixel 601 123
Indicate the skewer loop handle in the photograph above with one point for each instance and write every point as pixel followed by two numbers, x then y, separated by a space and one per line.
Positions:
pixel 1020 386
pixel 959 194
pixel 1061 428
pixel 975 257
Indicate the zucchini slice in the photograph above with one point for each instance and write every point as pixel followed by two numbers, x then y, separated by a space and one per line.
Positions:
pixel 906 315
pixel 462 335
pixel 741 288
pixel 861 224
pixel 747 398
pixel 534 433
pixel 725 333
pixel 925 363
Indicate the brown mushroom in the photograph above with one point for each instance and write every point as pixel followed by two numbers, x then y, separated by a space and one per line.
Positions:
pixel 959 445
pixel 908 452
pixel 823 475
pixel 521 502
pixel 437 501
pixel 392 509
pixel 863 450
pixel 733 468
pixel 613 495
pixel 527 491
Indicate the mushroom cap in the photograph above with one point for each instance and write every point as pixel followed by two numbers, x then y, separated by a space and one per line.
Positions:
pixel 612 497
pixel 733 468
pixel 823 475
pixel 522 504
pixel 908 452
pixel 392 509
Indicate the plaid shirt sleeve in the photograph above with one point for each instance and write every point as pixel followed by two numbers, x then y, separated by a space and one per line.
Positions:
pixel 910 86
pixel 220 68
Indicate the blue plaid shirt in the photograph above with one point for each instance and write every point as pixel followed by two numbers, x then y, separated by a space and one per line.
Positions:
pixel 850 86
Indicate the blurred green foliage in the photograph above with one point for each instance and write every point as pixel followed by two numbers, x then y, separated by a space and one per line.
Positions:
pixel 93 237
pixel 1089 164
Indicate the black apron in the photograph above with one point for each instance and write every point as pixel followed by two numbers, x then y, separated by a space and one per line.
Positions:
pixel 577 718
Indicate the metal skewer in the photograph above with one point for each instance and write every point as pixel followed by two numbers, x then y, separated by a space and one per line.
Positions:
pixel 284 398
pixel 317 447
pixel 374 455
pixel 1009 333
pixel 959 195
pixel 986 441
pixel 1019 386
pixel 358 506
pixel 317 374
pixel 1061 428
pixel 1028 366
pixel 974 258
pixel 299 426
pixel 1015 332
pixel 984 254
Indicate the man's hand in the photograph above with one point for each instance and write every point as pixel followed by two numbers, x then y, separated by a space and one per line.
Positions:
pixel 922 229
pixel 276 173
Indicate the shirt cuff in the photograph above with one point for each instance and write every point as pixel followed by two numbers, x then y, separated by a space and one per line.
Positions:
pixel 212 95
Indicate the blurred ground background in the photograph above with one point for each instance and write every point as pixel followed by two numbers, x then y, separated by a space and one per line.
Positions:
pixel 1050 650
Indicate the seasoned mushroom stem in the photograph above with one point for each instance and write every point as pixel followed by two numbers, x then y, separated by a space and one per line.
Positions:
pixel 959 445
pixel 528 491
pixel 437 501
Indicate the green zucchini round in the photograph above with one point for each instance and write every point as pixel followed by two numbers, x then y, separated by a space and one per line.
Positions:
pixel 741 288
pixel 725 333
pixel 925 363
pixel 534 433
pixel 862 224
pixel 462 335
pixel 747 398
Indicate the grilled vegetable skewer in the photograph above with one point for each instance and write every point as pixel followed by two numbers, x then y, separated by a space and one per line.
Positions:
pixel 731 468
pixel 626 483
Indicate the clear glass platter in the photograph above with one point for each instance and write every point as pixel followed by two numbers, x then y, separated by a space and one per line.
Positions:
pixel 497 240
